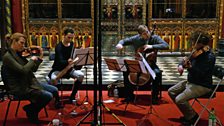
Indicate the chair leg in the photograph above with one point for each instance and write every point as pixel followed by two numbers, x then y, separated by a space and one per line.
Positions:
pixel 17 108
pixel 160 86
pixel 6 114
pixel 46 111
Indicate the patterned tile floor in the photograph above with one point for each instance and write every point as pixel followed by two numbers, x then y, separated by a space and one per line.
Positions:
pixel 166 63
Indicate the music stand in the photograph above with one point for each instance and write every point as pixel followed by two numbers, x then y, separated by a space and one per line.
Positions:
pixel 152 73
pixel 86 57
pixel 117 65
pixel 134 66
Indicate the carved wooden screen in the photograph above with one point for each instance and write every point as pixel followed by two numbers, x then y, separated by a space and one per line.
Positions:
pixel 45 21
pixel 177 19
pixel 120 19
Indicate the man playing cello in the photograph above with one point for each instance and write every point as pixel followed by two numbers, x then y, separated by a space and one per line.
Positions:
pixel 144 41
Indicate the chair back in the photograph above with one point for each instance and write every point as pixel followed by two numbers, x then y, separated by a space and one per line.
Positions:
pixel 4 78
pixel 52 56
pixel 218 72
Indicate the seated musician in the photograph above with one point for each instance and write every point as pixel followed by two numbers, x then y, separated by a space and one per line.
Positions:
pixel 146 41
pixel 63 54
pixel 199 65
pixel 19 79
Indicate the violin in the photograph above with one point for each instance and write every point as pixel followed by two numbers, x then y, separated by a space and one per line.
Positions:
pixel 31 51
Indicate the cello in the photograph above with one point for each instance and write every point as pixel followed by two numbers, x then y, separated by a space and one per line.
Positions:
pixel 150 56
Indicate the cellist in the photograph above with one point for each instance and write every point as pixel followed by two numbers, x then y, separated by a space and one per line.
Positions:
pixel 199 65
pixel 145 40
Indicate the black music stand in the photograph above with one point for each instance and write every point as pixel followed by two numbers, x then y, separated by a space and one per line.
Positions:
pixel 86 57
pixel 134 66
pixel 150 111
pixel 113 65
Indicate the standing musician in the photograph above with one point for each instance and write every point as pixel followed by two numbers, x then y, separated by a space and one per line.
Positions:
pixel 63 53
pixel 19 79
pixel 199 65
pixel 144 40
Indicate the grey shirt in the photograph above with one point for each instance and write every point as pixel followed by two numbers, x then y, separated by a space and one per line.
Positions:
pixel 136 41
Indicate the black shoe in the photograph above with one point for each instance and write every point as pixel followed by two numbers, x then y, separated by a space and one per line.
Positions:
pixel 155 102
pixel 31 114
pixel 182 119
pixel 59 105
pixel 190 121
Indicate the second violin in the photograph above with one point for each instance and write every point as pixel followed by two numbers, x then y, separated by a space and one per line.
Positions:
pixel 199 48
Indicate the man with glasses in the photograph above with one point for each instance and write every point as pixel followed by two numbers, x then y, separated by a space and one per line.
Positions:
pixel 145 40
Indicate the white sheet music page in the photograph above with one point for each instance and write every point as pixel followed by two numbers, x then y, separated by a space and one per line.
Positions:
pixel 142 67
pixel 121 64
pixel 81 53
pixel 148 67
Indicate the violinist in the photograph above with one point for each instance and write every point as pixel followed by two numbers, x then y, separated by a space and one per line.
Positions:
pixel 199 65
pixel 18 75
pixel 144 41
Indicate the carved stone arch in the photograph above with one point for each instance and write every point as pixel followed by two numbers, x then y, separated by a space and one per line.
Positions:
pixel 77 30
pixel 189 30
pixel 166 30
pixel 200 28
pixel 43 29
pixel 176 30
pixel 87 30
pixel 33 29
pixel 53 29
pixel 53 36
pixel 78 40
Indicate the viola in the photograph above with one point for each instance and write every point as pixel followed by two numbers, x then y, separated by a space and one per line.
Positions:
pixel 194 54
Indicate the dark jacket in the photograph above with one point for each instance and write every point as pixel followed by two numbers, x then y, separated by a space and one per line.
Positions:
pixel 201 71
pixel 18 73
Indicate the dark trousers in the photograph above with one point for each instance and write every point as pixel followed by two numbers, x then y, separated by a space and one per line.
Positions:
pixel 40 98
pixel 129 88
pixel 75 89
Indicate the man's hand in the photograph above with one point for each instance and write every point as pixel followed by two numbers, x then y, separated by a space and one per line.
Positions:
pixel 34 58
pixel 147 47
pixel 119 46
pixel 180 69
pixel 70 61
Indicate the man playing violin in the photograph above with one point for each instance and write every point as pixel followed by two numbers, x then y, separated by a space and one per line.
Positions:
pixel 63 57
pixel 145 40
pixel 199 65
pixel 19 79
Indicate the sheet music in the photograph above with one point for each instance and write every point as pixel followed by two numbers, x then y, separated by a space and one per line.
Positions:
pixel 121 64
pixel 148 67
pixel 115 64
pixel 142 66
pixel 85 55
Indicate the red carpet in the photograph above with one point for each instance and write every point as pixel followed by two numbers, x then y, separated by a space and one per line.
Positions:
pixel 164 114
